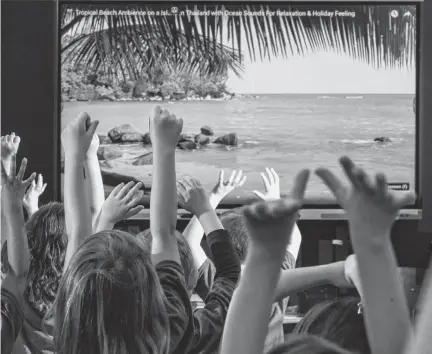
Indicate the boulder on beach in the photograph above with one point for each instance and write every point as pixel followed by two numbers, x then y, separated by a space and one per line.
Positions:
pixel 146 139
pixel 143 160
pixel 116 133
pixel 382 139
pixel 187 137
pixel 105 153
pixel 187 145
pixel 132 138
pixel 228 139
pixel 202 139
pixel 104 139
pixel 206 130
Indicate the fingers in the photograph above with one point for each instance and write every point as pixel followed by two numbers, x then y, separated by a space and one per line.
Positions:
pixel 221 176
pixel 182 187
pixel 266 182
pixel 267 211
pixel 364 183
pixel 242 181
pixel 133 192
pixel 134 211
pixel 31 188
pixel 117 189
pixel 81 121
pixel 349 168
pixel 125 190
pixel 10 138
pixel 405 198
pixel 135 199
pixel 332 182
pixel 259 194
pixel 275 175
pixel 40 181
pixel 43 188
pixel 270 176
pixel 381 184
pixel 91 130
pixel 232 177
pixel 238 177
pixel 300 183
pixel 29 180
pixel 16 140
pixel 21 172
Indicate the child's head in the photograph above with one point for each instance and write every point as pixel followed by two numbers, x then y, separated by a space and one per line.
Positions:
pixel 47 238
pixel 338 321
pixel 110 299
pixel 308 344
pixel 233 222
pixel 186 258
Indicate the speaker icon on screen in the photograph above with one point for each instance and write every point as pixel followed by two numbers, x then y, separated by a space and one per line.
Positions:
pixel 394 13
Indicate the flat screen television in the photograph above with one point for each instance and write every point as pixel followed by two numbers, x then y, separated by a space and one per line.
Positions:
pixel 278 85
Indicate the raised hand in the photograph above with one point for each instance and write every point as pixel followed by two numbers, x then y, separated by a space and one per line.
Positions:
pixel 367 201
pixel 13 185
pixel 9 146
pixel 270 223
pixel 78 135
pixel 122 203
pixel 271 186
pixel 165 128
pixel 192 196
pixel 223 188
pixel 31 198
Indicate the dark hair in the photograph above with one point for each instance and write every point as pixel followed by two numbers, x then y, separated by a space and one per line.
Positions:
pixel 185 253
pixel 307 344
pixel 338 321
pixel 110 299
pixel 47 239
pixel 232 221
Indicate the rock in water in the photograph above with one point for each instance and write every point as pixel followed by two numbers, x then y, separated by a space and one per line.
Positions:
pixel 104 139
pixel 228 139
pixel 105 164
pixel 104 153
pixel 187 137
pixel 206 130
pixel 187 145
pixel 143 160
pixel 202 139
pixel 116 133
pixel 132 138
pixel 382 139
pixel 146 139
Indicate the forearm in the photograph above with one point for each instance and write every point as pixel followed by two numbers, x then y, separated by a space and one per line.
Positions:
pixel 95 186
pixel 300 279
pixel 295 241
pixel 193 233
pixel 163 202
pixel 245 330
pixel 224 255
pixel 18 249
pixel 382 294
pixel 78 219
pixel 421 340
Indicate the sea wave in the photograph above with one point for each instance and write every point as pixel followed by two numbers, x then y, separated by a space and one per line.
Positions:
pixel 354 97
pixel 357 141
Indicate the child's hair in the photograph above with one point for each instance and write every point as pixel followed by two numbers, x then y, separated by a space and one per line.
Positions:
pixel 110 299
pixel 186 257
pixel 307 344
pixel 338 321
pixel 232 221
pixel 47 238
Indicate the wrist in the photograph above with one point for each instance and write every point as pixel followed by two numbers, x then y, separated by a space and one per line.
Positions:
pixel 160 148
pixel 261 255
pixel 204 209
pixel 74 157
pixel 90 157
pixel 214 200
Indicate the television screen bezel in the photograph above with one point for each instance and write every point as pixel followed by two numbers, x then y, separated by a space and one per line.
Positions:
pixel 331 205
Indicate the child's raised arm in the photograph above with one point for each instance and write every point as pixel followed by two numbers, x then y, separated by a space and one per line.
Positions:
pixel 165 129
pixel 193 232
pixel 269 225
pixel 76 139
pixel 31 198
pixel 121 204
pixel 93 179
pixel 12 194
pixel 371 210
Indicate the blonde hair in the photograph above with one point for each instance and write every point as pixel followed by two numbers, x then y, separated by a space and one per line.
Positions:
pixel 110 300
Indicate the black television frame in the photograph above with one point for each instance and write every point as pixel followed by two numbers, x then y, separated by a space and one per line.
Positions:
pixel 226 204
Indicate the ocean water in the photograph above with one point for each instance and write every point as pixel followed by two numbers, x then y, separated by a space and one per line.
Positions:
pixel 286 132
